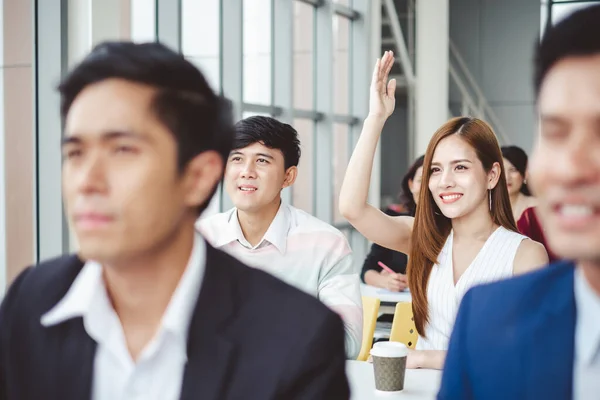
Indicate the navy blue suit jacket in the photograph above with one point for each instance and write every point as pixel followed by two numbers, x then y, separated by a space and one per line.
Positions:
pixel 251 337
pixel 514 339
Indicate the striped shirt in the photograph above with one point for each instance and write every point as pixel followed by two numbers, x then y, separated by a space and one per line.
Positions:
pixel 303 251
pixel 493 262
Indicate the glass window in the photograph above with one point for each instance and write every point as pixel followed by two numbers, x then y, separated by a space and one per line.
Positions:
pixel 341 58
pixel 343 2
pixel 561 11
pixel 543 18
pixel 200 37
pixel 143 21
pixel 247 114
pixel 304 16
pixel 257 51
pixel 341 144
pixel 348 233
pixel 303 188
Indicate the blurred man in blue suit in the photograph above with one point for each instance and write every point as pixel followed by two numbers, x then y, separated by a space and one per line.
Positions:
pixel 538 336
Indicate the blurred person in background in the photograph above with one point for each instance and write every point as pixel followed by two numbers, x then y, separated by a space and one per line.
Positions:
pixel 372 272
pixel 515 165
pixel 522 201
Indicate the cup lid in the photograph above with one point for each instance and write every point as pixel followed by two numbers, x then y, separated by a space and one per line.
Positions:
pixel 389 349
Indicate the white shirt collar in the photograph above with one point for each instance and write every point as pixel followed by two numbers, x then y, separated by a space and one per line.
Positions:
pixel 587 340
pixel 276 234
pixel 87 297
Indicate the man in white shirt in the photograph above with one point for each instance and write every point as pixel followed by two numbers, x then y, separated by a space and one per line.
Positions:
pixel 538 336
pixel 271 235
pixel 147 309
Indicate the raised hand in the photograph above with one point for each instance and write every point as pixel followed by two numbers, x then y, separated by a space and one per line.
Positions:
pixel 382 95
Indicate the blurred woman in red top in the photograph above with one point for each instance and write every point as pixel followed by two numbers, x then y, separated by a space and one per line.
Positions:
pixel 522 202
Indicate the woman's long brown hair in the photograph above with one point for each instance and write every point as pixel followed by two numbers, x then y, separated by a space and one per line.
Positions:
pixel 431 228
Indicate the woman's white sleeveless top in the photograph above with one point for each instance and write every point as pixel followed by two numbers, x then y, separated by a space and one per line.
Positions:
pixel 493 262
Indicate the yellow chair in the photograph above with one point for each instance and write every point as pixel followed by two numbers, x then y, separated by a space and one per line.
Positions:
pixel 403 326
pixel 370 311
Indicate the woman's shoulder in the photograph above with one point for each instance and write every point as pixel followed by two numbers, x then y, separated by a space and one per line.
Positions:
pixel 510 234
pixel 530 255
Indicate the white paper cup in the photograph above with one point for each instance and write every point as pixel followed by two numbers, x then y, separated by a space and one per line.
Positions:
pixel 389 366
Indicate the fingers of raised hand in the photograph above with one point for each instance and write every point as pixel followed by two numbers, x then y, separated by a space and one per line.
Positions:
pixel 389 63
pixel 382 69
pixel 386 67
pixel 376 71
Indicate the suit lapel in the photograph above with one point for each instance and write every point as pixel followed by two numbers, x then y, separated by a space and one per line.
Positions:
pixel 209 350
pixel 548 349
pixel 75 353
pixel 68 350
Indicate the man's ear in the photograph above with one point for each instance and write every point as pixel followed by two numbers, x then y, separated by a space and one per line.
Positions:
pixel 201 176
pixel 290 176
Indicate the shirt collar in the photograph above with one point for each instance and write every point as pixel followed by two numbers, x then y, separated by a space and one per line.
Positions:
pixel 88 290
pixel 276 234
pixel 588 310
pixel 79 298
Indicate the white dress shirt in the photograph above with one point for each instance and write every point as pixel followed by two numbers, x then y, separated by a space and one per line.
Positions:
pixel 157 374
pixel 303 251
pixel 586 366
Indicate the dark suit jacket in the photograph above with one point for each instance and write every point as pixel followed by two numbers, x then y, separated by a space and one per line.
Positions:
pixel 251 337
pixel 514 339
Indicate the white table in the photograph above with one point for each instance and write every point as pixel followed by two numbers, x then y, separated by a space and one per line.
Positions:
pixel 419 384
pixel 385 295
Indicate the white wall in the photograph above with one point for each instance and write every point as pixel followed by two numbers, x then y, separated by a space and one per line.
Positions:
pixel 496 39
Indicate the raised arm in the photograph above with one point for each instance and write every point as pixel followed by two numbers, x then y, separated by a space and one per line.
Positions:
pixel 387 231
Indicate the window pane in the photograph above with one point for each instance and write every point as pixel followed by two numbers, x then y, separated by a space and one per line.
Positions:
pixel 348 233
pixel 341 41
pixel 340 161
pixel 561 11
pixel 543 17
pixel 248 114
pixel 257 51
pixel 200 20
pixel 343 2
pixel 304 15
pixel 143 21
pixel 303 188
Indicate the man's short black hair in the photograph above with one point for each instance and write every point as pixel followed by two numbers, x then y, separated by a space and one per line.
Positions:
pixel 271 133
pixel 576 35
pixel 184 102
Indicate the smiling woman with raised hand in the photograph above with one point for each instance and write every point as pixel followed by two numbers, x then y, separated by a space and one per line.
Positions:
pixel 463 233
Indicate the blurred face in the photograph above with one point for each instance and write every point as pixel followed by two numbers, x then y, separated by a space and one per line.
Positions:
pixel 255 176
pixel 565 167
pixel 415 184
pixel 123 194
pixel 514 179
pixel 459 184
